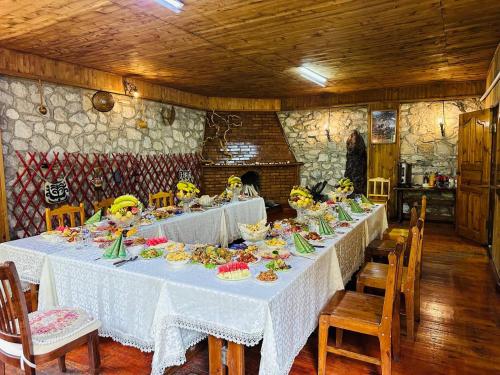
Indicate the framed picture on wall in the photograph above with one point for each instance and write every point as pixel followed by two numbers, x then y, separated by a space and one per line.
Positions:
pixel 384 126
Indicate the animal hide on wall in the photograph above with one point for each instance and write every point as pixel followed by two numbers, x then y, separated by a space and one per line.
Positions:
pixel 356 163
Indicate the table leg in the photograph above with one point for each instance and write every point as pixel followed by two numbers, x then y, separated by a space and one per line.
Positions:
pixel 235 358
pixel 216 367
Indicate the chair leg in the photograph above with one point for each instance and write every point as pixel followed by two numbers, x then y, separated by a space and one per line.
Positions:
pixel 61 361
pixel 417 299
pixel 2 368
pixel 410 316
pixel 396 328
pixel 360 287
pixel 322 344
pixel 385 354
pixel 34 297
pixel 338 337
pixel 29 371
pixel 93 349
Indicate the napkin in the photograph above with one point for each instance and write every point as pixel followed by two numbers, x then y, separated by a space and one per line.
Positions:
pixel 364 199
pixel 342 214
pixel 324 228
pixel 116 250
pixel 95 218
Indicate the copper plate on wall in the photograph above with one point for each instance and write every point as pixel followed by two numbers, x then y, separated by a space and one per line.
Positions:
pixel 103 101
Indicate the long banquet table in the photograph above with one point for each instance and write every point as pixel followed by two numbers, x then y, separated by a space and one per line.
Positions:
pixel 156 307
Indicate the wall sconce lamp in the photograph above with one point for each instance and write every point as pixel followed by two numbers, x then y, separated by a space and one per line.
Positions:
pixel 130 88
pixel 441 121
pixel 327 127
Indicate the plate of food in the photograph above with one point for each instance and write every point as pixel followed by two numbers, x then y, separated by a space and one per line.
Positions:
pixel 151 253
pixel 178 258
pixel 275 243
pixel 267 277
pixel 254 232
pixel 247 257
pixel 278 265
pixel 234 271
pixel 174 246
pixel 274 254
pixel 211 256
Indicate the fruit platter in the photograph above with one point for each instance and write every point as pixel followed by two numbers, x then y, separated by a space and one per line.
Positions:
pixel 186 193
pixel 125 210
pixel 172 246
pixel 344 188
pixel 278 265
pixel 178 258
pixel 210 255
pixel 206 201
pixel 268 276
pixel 234 186
pixel 254 232
pixel 300 198
pixel 317 210
pixel 233 271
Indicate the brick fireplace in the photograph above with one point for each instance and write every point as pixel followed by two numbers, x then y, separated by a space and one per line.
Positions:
pixel 259 145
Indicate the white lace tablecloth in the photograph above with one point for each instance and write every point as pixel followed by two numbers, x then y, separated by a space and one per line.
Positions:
pixel 217 225
pixel 154 306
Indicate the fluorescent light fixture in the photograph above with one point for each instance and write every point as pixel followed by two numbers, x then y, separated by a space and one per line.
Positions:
pixel 173 5
pixel 312 76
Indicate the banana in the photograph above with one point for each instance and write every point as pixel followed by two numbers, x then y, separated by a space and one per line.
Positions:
pixel 126 197
pixel 123 204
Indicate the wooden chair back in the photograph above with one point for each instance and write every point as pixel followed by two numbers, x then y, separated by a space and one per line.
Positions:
pixel 414 256
pixel 104 204
pixel 393 284
pixel 14 323
pixel 70 211
pixel 413 222
pixel 423 207
pixel 378 189
pixel 161 199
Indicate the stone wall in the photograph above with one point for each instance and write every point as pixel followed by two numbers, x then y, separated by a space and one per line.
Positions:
pixel 72 124
pixel 323 159
pixel 421 141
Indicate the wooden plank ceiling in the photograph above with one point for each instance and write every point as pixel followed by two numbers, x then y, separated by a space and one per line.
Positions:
pixel 250 48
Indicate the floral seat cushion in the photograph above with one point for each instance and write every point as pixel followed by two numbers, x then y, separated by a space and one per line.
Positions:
pixel 52 329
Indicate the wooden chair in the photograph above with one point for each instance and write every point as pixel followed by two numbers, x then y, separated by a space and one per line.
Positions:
pixel 367 314
pixel 394 233
pixel 103 204
pixel 382 247
pixel 70 211
pixel 373 275
pixel 161 199
pixel 42 336
pixel 379 190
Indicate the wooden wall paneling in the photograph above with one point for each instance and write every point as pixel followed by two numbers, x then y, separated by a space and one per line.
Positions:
pixel 243 104
pixel 383 158
pixel 494 96
pixel 425 92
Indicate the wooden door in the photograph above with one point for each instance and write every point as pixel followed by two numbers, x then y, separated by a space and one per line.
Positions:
pixel 474 170
pixel 495 196
pixel 383 158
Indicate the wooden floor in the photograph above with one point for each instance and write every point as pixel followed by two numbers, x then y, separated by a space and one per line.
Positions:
pixel 459 332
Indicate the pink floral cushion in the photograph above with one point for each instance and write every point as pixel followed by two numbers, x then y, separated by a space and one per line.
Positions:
pixel 53 325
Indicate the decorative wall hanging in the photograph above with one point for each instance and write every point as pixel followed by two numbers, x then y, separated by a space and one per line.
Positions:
pixel 56 192
pixel 139 175
pixel 103 101
pixel 41 108
pixel 383 126
pixel 185 175
pixel 96 179
pixel 168 115
pixel 140 122
pixel 223 125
